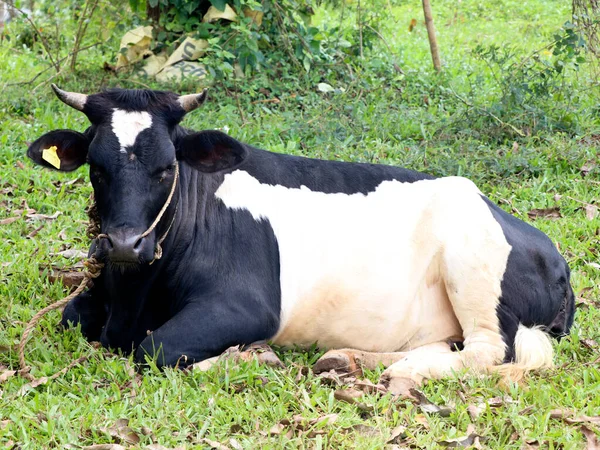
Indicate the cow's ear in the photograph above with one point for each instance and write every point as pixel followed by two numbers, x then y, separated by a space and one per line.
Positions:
pixel 211 151
pixel 63 150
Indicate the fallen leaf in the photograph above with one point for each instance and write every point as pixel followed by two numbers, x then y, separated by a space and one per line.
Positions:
pixel 235 444
pixel 351 396
pixel 364 430
pixel 591 211
pixel 546 213
pixel 214 444
pixel 72 253
pixel 427 406
pixel 276 429
pixel 35 232
pixel 44 216
pixel 6 374
pixel 466 441
pixel 515 147
pixel 591 438
pixel 589 343
pixel 29 386
pixel 397 434
pixel 369 387
pixel 104 447
pixel 123 432
pixel 68 278
pixel 9 220
pixel 568 415
pixel 20 165
pixel 587 168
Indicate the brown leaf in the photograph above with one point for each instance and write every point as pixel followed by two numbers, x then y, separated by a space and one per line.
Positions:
pixel 68 278
pixel 35 232
pixel 44 216
pixel 123 432
pixel 235 444
pixel 412 24
pixel 427 406
pixel 6 374
pixel 587 168
pixel 397 434
pixel 546 213
pixel 591 439
pixel 567 416
pixel 214 444
pixel 276 429
pixel 369 387
pixel 351 396
pixel 20 165
pixel 72 253
pixel 422 420
pixel 591 211
pixel 465 441
pixel 104 447
pixel 589 343
pixel 515 147
pixel 9 220
pixel 364 430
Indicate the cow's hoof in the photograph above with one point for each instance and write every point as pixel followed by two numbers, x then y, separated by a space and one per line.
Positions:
pixel 337 360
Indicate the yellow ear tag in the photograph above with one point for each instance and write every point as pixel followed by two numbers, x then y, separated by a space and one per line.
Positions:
pixel 49 154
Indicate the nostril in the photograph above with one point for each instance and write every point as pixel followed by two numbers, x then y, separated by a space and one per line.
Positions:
pixel 138 243
pixel 109 242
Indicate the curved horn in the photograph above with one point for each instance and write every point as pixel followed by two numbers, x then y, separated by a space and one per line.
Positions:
pixel 72 99
pixel 190 102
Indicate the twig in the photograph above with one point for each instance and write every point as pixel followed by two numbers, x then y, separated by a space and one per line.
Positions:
pixel 492 115
pixel 42 38
pixel 237 99
pixel 84 21
pixel 360 36
pixel 18 83
pixel 396 66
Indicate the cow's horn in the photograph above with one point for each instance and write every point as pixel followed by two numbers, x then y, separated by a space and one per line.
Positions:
pixel 190 102
pixel 72 99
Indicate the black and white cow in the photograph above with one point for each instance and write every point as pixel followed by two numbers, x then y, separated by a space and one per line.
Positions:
pixel 269 246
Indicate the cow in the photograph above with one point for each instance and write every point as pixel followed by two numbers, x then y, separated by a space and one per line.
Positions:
pixel 209 243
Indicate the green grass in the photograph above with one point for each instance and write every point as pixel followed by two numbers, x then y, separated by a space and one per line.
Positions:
pixel 381 117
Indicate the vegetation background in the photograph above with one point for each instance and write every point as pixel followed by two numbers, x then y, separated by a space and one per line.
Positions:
pixel 516 108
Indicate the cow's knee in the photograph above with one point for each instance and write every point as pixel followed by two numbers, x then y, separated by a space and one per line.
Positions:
pixel 87 311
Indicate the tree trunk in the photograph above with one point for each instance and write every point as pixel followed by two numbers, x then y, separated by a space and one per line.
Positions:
pixel 435 54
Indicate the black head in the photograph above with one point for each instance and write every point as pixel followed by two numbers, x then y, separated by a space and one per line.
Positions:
pixel 130 148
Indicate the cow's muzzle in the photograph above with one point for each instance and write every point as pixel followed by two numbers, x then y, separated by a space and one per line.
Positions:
pixel 127 246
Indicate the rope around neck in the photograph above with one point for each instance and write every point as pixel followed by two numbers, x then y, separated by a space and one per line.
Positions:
pixel 93 270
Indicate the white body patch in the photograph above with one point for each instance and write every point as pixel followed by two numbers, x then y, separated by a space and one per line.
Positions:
pixel 127 125
pixel 385 271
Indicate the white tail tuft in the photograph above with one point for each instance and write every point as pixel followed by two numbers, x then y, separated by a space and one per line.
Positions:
pixel 533 351
pixel 533 348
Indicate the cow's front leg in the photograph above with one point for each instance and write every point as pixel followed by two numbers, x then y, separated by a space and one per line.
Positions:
pixel 204 329
pixel 88 310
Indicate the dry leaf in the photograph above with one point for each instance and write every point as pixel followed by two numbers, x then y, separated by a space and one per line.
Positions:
pixel 72 253
pixel 35 232
pixel 214 444
pixel 515 147
pixel 68 278
pixel 589 343
pixel 412 24
pixel 591 438
pixel 364 430
pixel 369 387
pixel 276 429
pixel 591 211
pixel 351 396
pixel 567 416
pixel 235 444
pixel 9 220
pixel 587 168
pixel 427 406
pixel 465 441
pixel 123 432
pixel 104 447
pixel 397 434
pixel 6 374
pixel 44 216
pixel 546 213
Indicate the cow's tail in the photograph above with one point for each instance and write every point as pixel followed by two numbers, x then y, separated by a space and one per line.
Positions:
pixel 533 351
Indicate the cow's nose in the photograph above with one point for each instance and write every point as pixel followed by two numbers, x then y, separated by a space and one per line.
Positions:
pixel 125 246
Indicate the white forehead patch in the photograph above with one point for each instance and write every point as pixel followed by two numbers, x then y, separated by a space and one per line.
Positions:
pixel 128 124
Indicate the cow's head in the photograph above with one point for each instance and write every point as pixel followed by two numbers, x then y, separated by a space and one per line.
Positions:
pixel 131 151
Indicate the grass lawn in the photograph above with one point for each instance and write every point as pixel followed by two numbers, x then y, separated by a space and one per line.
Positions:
pixel 394 119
